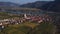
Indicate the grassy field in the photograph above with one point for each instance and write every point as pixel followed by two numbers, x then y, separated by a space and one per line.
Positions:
pixel 29 28
pixel 5 15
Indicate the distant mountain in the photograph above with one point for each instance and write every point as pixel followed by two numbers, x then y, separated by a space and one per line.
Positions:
pixel 34 4
pixel 8 4
pixel 45 5
pixel 52 6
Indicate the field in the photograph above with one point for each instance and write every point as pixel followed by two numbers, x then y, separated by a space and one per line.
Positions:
pixel 29 28
pixel 26 27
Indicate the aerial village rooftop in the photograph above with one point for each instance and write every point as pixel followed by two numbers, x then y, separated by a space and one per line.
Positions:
pixel 26 18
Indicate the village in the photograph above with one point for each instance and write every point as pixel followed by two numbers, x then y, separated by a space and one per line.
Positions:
pixel 26 18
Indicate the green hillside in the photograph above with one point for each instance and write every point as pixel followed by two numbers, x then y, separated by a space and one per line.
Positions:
pixel 29 28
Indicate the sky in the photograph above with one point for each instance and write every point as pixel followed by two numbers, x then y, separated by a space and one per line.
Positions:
pixel 22 1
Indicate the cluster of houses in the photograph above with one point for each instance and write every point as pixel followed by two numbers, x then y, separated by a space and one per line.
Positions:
pixel 29 18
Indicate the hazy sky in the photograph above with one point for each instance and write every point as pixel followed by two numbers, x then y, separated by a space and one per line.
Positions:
pixel 22 1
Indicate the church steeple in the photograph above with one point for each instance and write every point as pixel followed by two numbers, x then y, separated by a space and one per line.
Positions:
pixel 25 16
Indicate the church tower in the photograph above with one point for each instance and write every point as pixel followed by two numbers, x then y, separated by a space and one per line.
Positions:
pixel 25 16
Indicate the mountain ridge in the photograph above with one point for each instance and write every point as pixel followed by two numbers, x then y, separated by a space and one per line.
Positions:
pixel 52 6
pixel 8 4
pixel 34 4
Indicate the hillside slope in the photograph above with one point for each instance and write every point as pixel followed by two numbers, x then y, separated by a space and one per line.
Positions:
pixel 8 4
pixel 52 6
pixel 34 4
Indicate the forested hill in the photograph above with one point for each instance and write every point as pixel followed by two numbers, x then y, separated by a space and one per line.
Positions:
pixel 34 4
pixel 8 4
pixel 52 6
pixel 44 5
